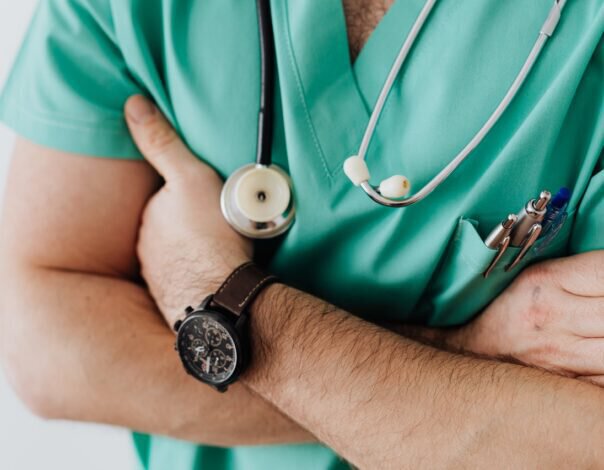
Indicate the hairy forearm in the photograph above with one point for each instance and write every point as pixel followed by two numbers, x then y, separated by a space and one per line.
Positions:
pixel 381 400
pixel 440 338
pixel 93 348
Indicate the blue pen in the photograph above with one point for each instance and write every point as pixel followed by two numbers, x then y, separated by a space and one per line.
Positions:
pixel 554 218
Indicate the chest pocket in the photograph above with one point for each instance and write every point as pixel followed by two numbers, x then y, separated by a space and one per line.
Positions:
pixel 458 290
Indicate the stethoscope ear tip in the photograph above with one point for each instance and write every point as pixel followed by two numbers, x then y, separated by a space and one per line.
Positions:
pixel 356 170
pixel 395 187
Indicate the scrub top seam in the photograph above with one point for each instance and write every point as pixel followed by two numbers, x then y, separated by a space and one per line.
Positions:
pixel 112 128
pixel 300 89
pixel 65 122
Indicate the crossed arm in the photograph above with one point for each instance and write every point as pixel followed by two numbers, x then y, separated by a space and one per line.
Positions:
pixel 80 338
pixel 69 288
pixel 384 401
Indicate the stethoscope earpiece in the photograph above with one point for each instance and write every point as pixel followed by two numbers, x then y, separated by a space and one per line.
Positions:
pixel 357 171
pixel 395 187
pixel 257 201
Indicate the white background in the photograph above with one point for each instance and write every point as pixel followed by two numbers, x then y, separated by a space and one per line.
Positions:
pixel 26 442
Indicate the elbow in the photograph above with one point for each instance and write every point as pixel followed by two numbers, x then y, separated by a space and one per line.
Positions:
pixel 24 375
pixel 31 391
pixel 23 355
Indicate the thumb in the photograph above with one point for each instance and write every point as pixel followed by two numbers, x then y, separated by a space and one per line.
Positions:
pixel 157 140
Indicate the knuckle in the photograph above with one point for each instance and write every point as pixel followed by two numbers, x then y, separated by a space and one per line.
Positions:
pixel 160 137
pixel 537 274
pixel 538 316
pixel 599 265
pixel 549 354
pixel 537 311
pixel 552 357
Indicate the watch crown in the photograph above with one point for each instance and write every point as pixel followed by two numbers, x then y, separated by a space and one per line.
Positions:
pixel 177 325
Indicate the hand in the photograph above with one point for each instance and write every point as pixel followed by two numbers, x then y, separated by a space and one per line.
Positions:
pixel 551 316
pixel 185 246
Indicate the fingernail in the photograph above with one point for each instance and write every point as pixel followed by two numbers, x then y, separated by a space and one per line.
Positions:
pixel 140 109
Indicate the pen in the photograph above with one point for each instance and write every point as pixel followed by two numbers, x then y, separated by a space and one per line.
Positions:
pixel 528 242
pixel 529 228
pixel 554 219
pixel 499 239
pixel 532 213
pixel 500 232
pixel 555 210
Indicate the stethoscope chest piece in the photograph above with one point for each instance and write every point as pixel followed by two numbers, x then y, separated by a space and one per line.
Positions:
pixel 257 201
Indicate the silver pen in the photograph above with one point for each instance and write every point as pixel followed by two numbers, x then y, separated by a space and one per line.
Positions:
pixel 527 244
pixel 499 239
pixel 529 228
pixel 532 213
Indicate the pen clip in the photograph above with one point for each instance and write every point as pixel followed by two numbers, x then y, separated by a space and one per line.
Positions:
pixel 501 249
pixel 528 242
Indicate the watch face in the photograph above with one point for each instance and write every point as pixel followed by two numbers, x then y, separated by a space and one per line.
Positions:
pixel 208 347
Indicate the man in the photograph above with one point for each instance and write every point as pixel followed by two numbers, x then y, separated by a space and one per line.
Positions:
pixel 376 398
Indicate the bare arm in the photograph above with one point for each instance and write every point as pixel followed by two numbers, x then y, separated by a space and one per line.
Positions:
pixel 79 338
pixel 383 401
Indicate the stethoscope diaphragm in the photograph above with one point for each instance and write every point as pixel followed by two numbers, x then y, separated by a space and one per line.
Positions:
pixel 257 201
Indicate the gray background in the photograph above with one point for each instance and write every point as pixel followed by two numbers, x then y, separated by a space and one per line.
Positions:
pixel 26 442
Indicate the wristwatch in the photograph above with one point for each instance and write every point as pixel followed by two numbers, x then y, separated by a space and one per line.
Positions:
pixel 213 339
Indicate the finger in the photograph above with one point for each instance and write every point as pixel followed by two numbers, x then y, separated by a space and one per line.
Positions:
pixel 157 140
pixel 581 274
pixel 585 357
pixel 593 379
pixel 583 316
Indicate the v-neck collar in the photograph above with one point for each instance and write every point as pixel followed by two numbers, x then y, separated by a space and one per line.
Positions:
pixel 370 54
pixel 375 59
pixel 337 95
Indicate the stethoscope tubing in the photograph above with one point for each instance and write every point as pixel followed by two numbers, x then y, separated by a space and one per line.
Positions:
pixel 251 220
pixel 267 84
pixel 261 182
pixel 544 34
pixel 392 75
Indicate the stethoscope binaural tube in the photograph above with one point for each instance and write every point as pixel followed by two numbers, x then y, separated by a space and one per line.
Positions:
pixel 257 199
pixel 393 190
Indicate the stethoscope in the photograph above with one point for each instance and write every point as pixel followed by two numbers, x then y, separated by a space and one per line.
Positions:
pixel 257 200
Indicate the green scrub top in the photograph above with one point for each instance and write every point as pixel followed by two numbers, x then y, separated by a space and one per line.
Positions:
pixel 199 60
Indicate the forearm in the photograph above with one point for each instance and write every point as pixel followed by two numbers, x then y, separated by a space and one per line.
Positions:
pixel 380 400
pixel 440 338
pixel 93 348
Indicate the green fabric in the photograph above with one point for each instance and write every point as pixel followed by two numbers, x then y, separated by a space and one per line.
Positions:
pixel 200 62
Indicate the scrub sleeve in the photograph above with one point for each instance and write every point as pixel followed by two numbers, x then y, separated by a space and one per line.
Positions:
pixel 69 82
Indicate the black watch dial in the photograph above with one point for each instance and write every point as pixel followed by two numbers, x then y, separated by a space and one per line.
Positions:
pixel 208 347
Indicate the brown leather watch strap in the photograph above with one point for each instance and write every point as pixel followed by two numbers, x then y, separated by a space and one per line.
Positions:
pixel 241 288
